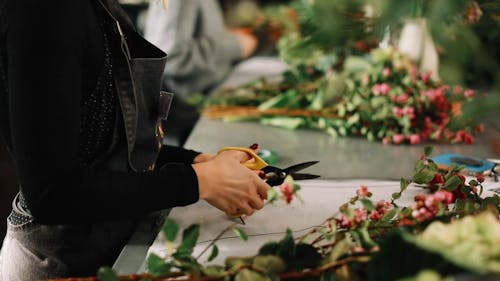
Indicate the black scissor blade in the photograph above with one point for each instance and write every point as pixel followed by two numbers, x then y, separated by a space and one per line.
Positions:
pixel 300 166
pixel 300 176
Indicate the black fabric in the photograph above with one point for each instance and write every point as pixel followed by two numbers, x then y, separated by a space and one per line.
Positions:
pixel 181 121
pixel 53 53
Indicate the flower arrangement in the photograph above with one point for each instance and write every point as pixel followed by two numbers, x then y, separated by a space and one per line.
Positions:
pixel 338 83
pixel 380 96
pixel 449 229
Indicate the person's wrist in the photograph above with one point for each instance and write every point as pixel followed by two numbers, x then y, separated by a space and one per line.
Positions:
pixel 201 174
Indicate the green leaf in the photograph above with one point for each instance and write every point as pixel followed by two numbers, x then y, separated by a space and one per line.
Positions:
pixel 238 262
pixel 214 271
pixel 340 249
pixel 272 195
pixel 354 119
pixel 243 236
pixel 378 101
pixel 279 101
pixel 366 240
pixel 389 215
pixel 107 274
pixel 422 177
pixel 428 150
pixel 290 123
pixel 419 165
pixel 368 204
pixel 433 166
pixel 491 201
pixel 396 195
pixel 355 64
pixel 403 184
pixel 213 253
pixel 188 264
pixel 157 266
pixel 270 248
pixel 399 248
pixel 317 102
pixel 250 275
pixel 269 264
pixel 189 238
pixel 306 256
pixel 341 110
pixel 170 229
pixel 287 248
pixel 453 183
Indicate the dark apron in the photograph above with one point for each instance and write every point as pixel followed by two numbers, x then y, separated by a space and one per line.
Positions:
pixel 32 251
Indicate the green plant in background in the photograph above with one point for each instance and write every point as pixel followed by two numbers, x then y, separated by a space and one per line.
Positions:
pixel 327 46
pixel 467 34
pixel 379 96
pixel 464 30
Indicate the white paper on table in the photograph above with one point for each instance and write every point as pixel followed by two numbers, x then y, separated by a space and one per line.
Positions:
pixel 322 199
pixel 255 68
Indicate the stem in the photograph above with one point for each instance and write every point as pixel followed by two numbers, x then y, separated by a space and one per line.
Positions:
pixel 220 235
pixel 326 267
pixel 316 229
pixel 217 238
pixel 217 112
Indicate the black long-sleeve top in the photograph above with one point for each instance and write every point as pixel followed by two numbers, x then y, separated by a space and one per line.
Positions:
pixel 52 56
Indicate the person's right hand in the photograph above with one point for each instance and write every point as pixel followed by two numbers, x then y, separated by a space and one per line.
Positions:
pixel 228 185
pixel 248 42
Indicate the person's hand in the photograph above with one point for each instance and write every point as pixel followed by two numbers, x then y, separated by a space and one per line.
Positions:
pixel 228 185
pixel 248 42
pixel 202 157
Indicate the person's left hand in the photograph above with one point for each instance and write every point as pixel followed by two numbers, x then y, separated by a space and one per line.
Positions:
pixel 248 41
pixel 203 157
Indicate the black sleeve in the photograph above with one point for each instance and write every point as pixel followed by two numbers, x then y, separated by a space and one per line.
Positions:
pixel 45 54
pixel 176 154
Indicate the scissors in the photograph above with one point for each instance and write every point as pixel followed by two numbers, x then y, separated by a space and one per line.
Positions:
pixel 274 175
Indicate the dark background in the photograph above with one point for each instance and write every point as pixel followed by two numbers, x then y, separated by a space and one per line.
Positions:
pixel 8 187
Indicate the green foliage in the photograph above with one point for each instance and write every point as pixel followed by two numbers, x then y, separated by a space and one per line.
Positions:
pixel 453 183
pixel 250 275
pixel 297 256
pixel 378 96
pixel 368 240
pixel 403 184
pixel 240 233
pixel 399 249
pixel 272 196
pixel 466 30
pixel 170 229
pixel 428 150
pixel 107 274
pixel 269 264
pixel 424 176
pixel 189 237
pixel 213 253
pixel 214 271
pixel 158 266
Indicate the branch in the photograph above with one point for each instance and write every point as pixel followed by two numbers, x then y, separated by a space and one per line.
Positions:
pixel 218 112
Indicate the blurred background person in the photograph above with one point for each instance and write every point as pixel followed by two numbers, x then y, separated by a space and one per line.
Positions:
pixel 201 52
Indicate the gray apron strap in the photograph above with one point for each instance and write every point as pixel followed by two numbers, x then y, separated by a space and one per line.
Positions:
pixel 138 67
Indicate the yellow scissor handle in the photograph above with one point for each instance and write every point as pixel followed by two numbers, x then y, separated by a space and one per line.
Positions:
pixel 258 164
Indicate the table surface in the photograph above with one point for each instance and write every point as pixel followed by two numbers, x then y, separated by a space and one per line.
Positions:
pixel 340 158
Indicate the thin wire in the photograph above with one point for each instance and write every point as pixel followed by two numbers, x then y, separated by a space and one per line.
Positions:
pixel 260 234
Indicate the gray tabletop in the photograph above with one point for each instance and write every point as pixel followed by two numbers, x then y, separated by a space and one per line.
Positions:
pixel 340 158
